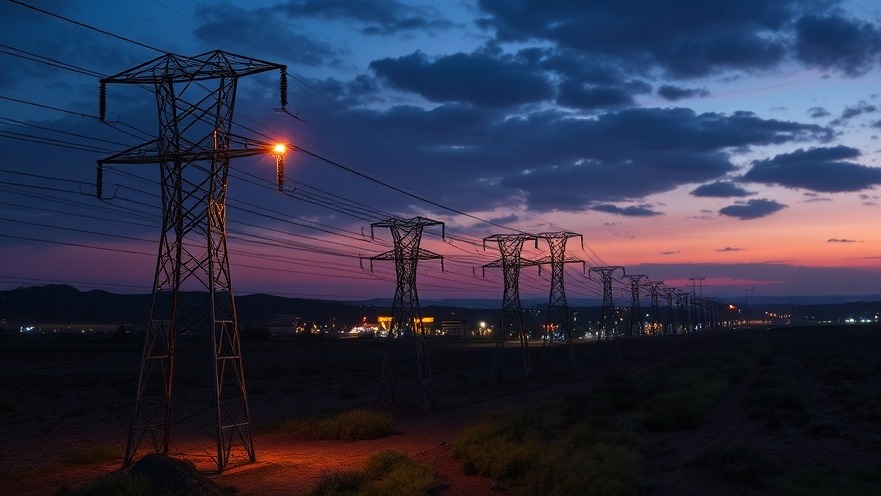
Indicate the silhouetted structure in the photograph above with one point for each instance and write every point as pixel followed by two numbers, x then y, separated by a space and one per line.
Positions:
pixel 193 150
pixel 558 322
pixel 407 326
pixel 511 318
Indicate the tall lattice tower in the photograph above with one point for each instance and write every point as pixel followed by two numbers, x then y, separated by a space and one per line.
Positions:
pixel 558 322
pixel 511 318
pixel 195 97
pixel 406 316
pixel 608 330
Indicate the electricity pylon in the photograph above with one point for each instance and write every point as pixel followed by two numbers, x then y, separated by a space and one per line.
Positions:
pixel 557 319
pixel 607 319
pixel 636 326
pixel 193 150
pixel 406 316
pixel 655 288
pixel 511 318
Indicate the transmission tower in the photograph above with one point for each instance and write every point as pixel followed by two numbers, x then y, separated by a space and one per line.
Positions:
pixel 511 318
pixel 557 319
pixel 406 323
pixel 193 150
pixel 636 323
pixel 697 283
pixel 608 329
pixel 655 288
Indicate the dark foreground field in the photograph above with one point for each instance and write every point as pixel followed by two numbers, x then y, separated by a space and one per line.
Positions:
pixel 789 411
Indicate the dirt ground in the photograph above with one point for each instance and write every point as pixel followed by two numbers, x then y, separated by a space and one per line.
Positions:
pixel 63 397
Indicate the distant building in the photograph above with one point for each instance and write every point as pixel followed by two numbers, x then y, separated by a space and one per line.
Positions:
pixel 453 328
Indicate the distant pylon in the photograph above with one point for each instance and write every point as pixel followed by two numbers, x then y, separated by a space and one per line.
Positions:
pixel 670 324
pixel 406 315
pixel 511 318
pixel 608 329
pixel 655 288
pixel 637 325
pixel 557 318
pixel 193 150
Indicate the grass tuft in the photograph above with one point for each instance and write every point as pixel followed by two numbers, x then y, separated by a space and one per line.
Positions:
pixel 351 425
pixel 387 473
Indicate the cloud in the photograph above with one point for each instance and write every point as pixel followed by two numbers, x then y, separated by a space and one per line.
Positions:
pixel 840 240
pixel 834 42
pixel 676 93
pixel 818 112
pixel 668 252
pixel 823 169
pixel 730 249
pixel 683 39
pixel 379 17
pixel 261 30
pixel 631 211
pixel 858 109
pixel 752 209
pixel 721 189
pixel 478 78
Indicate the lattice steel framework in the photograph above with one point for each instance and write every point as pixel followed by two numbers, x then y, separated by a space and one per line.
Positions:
pixel 558 320
pixel 655 288
pixel 637 325
pixel 607 319
pixel 406 315
pixel 670 324
pixel 511 318
pixel 195 98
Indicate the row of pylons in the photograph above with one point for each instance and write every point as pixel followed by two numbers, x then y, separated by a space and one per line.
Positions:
pixel 195 98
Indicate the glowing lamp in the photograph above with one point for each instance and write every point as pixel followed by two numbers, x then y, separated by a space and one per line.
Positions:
pixel 279 150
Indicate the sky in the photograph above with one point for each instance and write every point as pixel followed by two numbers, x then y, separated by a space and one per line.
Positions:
pixel 728 148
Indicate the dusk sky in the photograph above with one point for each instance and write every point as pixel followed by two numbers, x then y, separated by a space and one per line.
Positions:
pixel 731 140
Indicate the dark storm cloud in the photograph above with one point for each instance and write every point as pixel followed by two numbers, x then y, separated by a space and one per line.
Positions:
pixel 835 42
pixel 675 93
pixel 631 211
pixel 575 94
pixel 683 38
pixel 260 29
pixel 721 189
pixel 825 169
pixel 752 209
pixel 478 78
pixel 558 162
pixel 380 17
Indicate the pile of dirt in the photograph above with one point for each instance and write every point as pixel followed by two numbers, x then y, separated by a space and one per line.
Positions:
pixel 170 475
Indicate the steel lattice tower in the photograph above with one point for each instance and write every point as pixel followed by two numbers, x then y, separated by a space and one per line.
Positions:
pixel 406 317
pixel 607 318
pixel 511 318
pixel 193 150
pixel 636 323
pixel 557 316
pixel 655 288
pixel 670 327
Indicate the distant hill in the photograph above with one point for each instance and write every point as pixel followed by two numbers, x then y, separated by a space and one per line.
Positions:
pixel 57 304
